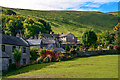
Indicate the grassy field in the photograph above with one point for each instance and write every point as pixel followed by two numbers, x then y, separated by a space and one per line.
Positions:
pixel 105 66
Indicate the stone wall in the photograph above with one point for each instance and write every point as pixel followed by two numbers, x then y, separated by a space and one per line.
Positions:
pixel 99 52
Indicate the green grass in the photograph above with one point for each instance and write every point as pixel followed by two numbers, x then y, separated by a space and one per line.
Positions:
pixel 105 66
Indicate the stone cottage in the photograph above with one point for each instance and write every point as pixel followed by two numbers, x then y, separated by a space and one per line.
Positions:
pixel 9 43
pixel 42 43
pixel 68 37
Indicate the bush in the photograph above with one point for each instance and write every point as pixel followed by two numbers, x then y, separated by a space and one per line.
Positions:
pixel 39 60
pixel 99 48
pixel 34 53
pixel 67 48
pixel 91 49
pixel 117 48
pixel 74 46
pixel 110 47
pixel 72 51
pixel 12 67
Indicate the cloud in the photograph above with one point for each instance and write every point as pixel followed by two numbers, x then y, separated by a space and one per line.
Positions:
pixel 53 4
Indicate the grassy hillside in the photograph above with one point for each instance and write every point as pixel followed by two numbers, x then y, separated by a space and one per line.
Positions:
pixel 75 22
pixel 105 66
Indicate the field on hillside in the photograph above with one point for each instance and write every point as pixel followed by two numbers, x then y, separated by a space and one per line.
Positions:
pixel 75 22
pixel 105 66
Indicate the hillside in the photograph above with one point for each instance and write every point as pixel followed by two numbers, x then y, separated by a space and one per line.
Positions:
pixel 75 22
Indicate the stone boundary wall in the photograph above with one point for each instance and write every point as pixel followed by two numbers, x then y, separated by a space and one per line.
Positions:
pixel 99 52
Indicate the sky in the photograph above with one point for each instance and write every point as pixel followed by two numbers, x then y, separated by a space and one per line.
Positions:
pixel 77 5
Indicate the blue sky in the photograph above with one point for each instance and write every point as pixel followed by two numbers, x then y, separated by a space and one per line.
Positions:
pixel 78 5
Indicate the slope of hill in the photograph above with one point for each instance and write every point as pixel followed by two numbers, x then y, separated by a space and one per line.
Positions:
pixel 75 22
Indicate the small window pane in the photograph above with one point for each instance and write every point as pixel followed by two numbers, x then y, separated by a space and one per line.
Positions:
pixel 3 48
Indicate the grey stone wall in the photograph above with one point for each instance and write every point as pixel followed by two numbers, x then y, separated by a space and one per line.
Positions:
pixel 8 51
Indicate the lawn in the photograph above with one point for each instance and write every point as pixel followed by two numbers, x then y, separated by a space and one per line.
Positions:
pixel 105 66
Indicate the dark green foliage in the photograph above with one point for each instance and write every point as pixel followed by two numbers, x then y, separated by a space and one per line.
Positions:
pixel 17 56
pixel 74 46
pixel 9 12
pixel 39 60
pixel 46 24
pixel 34 53
pixel 72 51
pixel 110 47
pixel 89 38
pixel 12 67
pixel 107 38
pixel 67 48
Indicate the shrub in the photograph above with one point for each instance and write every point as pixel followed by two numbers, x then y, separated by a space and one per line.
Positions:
pixel 67 48
pixel 39 60
pixel 117 48
pixel 72 51
pixel 34 53
pixel 99 48
pixel 12 67
pixel 110 47
pixel 91 49
pixel 74 46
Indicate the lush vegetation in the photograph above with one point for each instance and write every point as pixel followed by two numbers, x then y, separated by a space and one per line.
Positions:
pixel 76 22
pixel 17 56
pixel 88 67
pixel 89 38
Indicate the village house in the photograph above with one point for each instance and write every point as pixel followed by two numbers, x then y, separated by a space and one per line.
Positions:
pixel 68 37
pixel 51 41
pixel 48 41
pixel 9 43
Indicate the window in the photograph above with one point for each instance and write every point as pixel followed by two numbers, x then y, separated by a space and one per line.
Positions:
pixel 13 48
pixel 3 48
pixel 24 49
pixel 24 61
pixel 10 61
pixel 73 38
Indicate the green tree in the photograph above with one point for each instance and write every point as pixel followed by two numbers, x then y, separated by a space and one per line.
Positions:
pixel 32 28
pixel 107 38
pixel 17 56
pixel 89 38
pixel 117 34
pixel 9 12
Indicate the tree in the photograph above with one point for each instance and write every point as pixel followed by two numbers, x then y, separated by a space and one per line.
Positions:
pixel 17 56
pixel 9 12
pixel 117 36
pixel 89 38
pixel 107 38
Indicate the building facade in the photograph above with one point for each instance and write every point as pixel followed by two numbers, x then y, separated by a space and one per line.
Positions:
pixel 68 37
pixel 9 43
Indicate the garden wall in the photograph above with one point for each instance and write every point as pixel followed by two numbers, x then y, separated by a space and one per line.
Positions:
pixel 99 52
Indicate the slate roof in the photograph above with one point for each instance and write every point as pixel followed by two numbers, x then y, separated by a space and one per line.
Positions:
pixel 34 42
pixel 12 40
pixel 60 50
pixel 63 35
pixel 51 35
pixel 48 41
pixel 47 35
